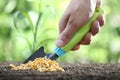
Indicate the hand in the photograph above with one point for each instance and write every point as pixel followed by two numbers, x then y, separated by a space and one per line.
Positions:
pixel 75 16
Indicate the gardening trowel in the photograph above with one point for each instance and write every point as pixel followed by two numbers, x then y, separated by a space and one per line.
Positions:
pixel 63 50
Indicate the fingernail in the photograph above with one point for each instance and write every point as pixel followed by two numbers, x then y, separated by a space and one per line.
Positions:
pixel 59 42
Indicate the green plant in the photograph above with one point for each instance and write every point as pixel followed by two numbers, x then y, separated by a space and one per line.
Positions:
pixel 34 29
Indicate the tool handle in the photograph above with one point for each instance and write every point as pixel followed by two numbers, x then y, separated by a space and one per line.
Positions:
pixel 81 32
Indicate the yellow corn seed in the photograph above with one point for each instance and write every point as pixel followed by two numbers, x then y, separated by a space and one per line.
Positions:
pixel 39 64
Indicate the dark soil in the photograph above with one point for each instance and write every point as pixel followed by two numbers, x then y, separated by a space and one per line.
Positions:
pixel 76 71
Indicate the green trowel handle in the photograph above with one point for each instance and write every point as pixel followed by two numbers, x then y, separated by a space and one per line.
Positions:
pixel 82 31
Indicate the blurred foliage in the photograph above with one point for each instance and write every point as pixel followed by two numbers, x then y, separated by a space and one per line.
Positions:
pixel 25 25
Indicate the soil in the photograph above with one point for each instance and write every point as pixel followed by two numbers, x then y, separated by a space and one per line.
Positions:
pixel 77 71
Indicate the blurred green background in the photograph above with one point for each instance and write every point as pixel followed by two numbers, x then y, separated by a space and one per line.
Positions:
pixel 25 25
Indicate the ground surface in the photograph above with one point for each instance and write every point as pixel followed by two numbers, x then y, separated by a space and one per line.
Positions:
pixel 76 71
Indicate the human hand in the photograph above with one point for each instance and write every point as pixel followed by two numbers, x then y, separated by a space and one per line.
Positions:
pixel 75 16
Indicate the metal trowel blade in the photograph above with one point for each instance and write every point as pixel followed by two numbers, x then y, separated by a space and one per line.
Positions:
pixel 39 53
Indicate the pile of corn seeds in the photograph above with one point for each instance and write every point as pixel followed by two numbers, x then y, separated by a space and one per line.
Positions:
pixel 39 64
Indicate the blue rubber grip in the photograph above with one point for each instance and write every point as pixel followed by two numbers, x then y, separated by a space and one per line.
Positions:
pixel 59 51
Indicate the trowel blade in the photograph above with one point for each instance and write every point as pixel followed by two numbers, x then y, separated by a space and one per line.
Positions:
pixel 38 53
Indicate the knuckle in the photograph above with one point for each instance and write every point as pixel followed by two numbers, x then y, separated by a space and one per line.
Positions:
pixel 89 41
pixel 70 22
pixel 88 38
pixel 95 27
pixel 101 19
pixel 66 37
pixel 74 24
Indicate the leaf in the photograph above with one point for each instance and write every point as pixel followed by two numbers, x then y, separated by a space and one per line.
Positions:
pixel 36 28
pixel 15 17
pixel 27 16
